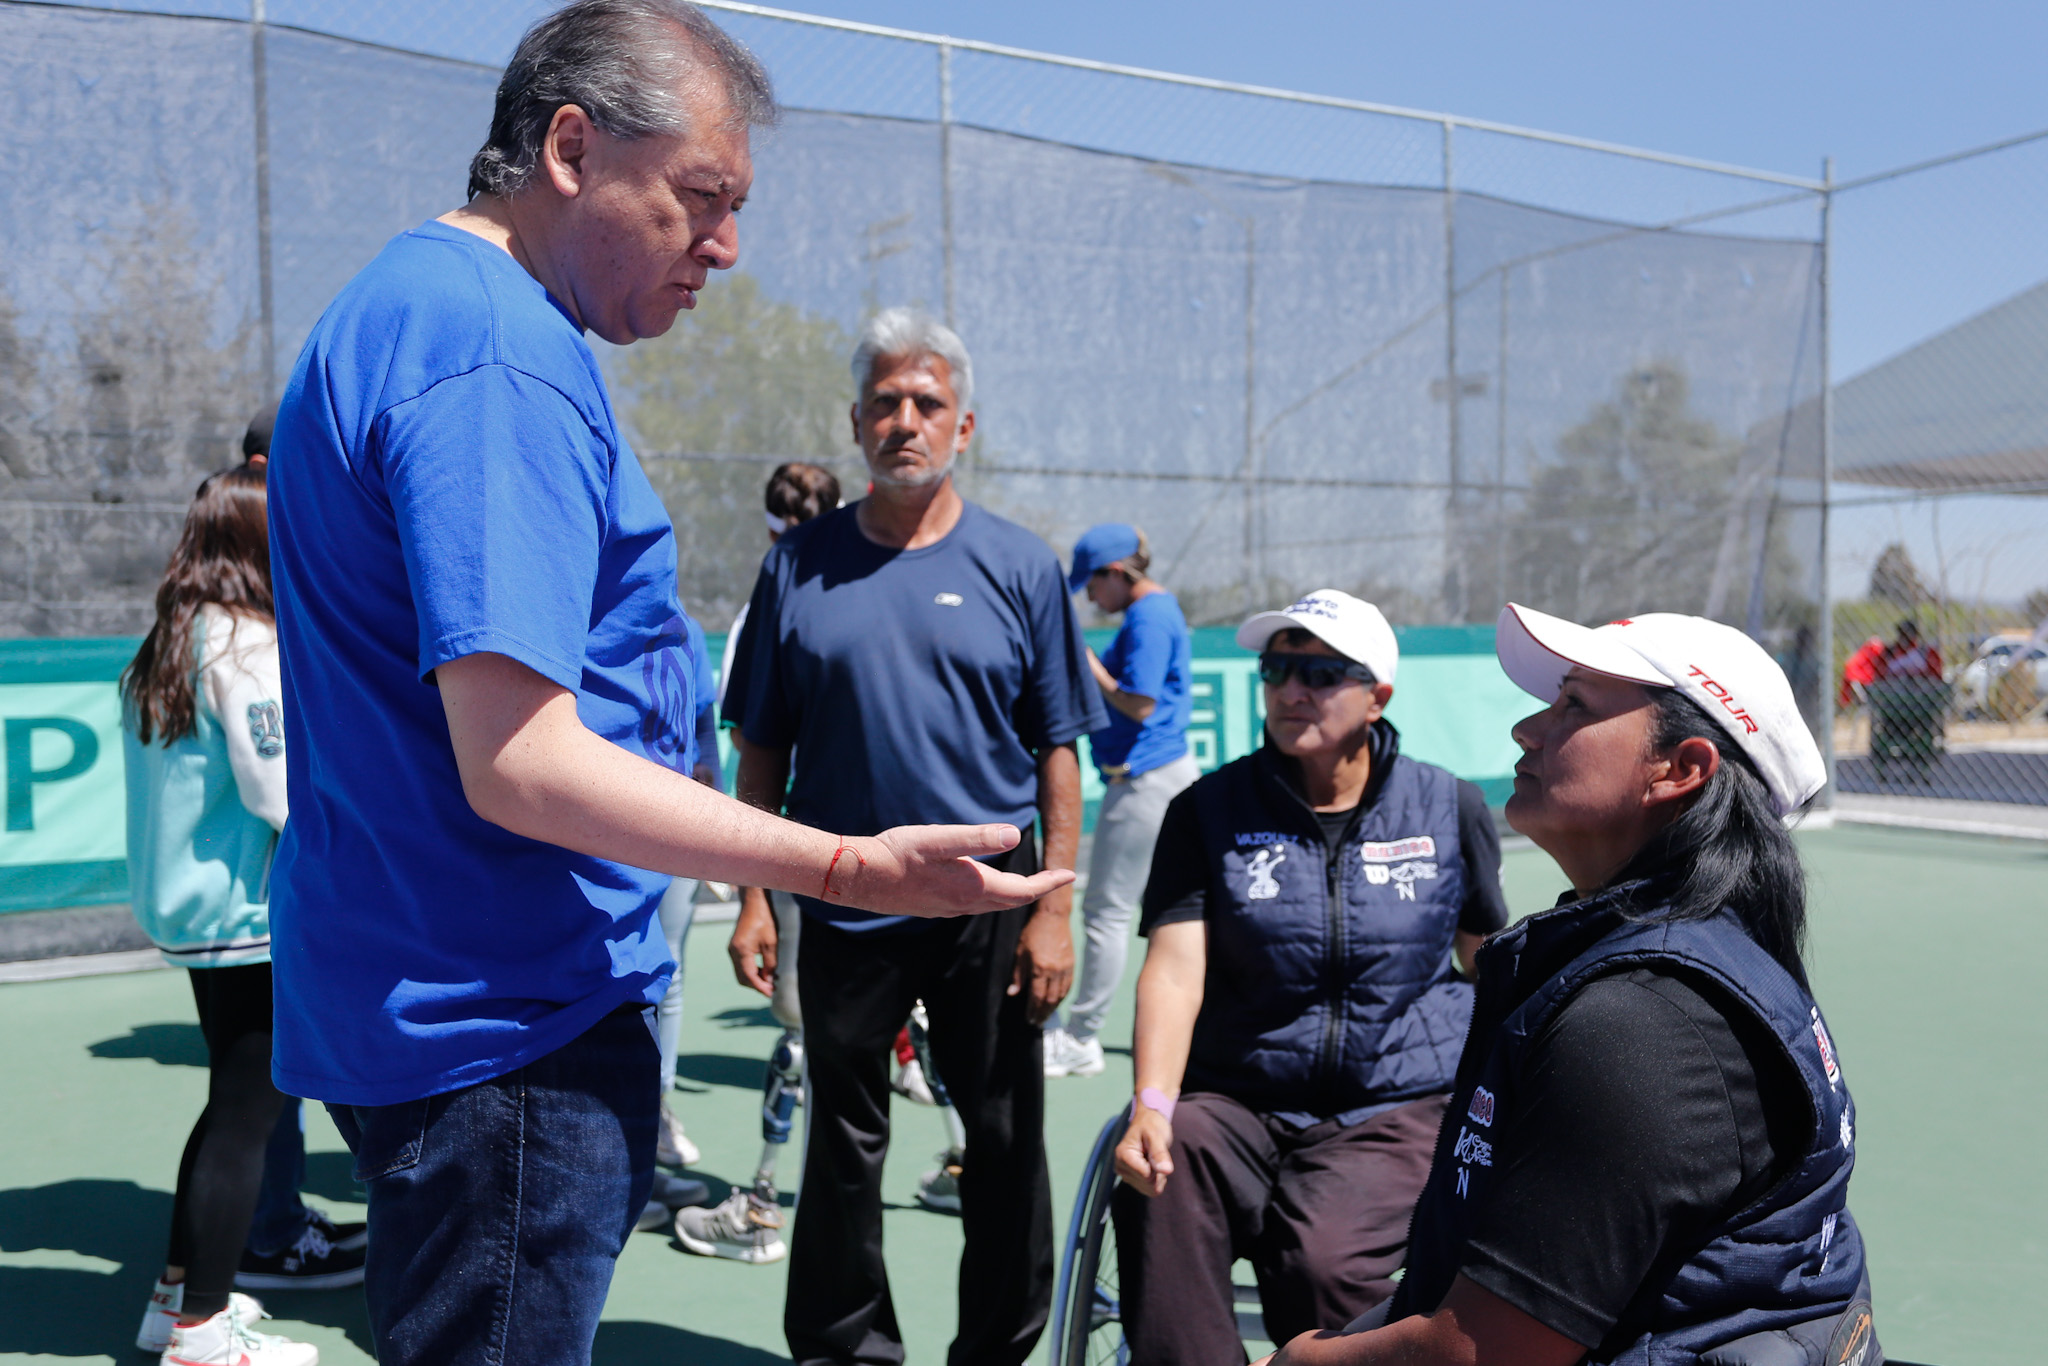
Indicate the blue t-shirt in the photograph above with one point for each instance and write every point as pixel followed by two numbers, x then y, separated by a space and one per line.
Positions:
pixel 706 694
pixel 1151 656
pixel 914 685
pixel 447 478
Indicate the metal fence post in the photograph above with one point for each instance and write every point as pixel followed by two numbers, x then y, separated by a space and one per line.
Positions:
pixel 1454 570
pixel 946 174
pixel 1826 641
pixel 266 302
pixel 1254 569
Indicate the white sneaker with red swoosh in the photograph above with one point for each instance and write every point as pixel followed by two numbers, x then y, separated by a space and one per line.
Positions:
pixel 224 1340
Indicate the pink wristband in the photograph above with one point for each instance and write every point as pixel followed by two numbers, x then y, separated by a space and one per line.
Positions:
pixel 1152 1098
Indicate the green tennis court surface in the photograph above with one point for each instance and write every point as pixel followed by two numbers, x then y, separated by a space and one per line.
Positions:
pixel 1926 952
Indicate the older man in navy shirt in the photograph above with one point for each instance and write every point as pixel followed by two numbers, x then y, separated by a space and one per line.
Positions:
pixel 920 658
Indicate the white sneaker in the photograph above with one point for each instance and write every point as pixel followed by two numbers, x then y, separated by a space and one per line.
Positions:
pixel 162 1315
pixel 225 1340
pixel 742 1229
pixel 1068 1056
pixel 672 1148
pixel 939 1190
pixel 910 1082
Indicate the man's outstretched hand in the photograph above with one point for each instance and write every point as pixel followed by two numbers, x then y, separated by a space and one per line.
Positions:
pixel 932 870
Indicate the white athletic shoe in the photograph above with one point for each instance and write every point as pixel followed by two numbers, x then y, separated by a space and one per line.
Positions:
pixel 1068 1056
pixel 939 1190
pixel 672 1148
pixel 224 1340
pixel 742 1229
pixel 910 1083
pixel 162 1315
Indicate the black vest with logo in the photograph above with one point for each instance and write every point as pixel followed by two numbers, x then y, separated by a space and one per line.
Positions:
pixel 1331 987
pixel 1782 1281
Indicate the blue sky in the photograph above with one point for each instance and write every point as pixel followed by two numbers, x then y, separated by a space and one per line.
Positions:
pixel 1772 85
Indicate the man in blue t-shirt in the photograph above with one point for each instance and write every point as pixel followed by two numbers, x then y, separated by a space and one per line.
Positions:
pixel 489 687
pixel 920 658
pixel 1143 757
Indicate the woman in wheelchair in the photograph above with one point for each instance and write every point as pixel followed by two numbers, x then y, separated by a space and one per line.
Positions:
pixel 1648 1150
pixel 1304 908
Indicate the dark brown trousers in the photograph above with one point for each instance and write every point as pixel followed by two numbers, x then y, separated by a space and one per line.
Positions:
pixel 1321 1213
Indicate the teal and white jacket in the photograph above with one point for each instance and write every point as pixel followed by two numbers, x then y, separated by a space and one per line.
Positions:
pixel 204 811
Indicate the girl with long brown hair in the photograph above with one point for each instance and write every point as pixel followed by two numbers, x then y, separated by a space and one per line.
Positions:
pixel 204 736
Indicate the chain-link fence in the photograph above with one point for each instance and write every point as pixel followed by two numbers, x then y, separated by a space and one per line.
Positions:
pixel 1304 342
pixel 1941 467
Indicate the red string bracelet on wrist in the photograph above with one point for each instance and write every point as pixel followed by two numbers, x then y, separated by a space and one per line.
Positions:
pixel 825 891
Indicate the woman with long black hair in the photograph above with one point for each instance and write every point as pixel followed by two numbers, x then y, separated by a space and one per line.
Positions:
pixel 1647 1152
pixel 204 740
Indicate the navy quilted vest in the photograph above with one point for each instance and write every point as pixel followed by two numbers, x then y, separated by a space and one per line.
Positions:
pixel 1780 1281
pixel 1331 988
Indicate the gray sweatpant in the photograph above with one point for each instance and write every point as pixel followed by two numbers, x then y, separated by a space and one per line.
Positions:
pixel 1126 828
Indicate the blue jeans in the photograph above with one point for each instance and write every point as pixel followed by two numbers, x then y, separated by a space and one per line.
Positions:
pixel 497 1211
pixel 280 1214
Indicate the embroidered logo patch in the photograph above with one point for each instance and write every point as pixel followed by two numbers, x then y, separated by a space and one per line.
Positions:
pixel 1393 851
pixel 266 729
pixel 1481 1110
pixel 1262 883
pixel 948 599
pixel 1827 1049
pixel 1472 1148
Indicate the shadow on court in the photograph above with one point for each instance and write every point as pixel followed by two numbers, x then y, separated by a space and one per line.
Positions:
pixel 723 1069
pixel 88 1311
pixel 634 1343
pixel 747 1017
pixel 173 1045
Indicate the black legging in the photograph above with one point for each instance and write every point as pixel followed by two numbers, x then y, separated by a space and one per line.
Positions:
pixel 222 1171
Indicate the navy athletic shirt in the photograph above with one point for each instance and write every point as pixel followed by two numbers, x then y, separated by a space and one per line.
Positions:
pixel 915 686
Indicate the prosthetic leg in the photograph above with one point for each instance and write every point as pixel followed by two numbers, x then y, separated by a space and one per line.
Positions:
pixel 781 1092
pixel 938 1190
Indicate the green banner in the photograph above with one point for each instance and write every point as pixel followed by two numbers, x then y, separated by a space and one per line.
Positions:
pixel 64 841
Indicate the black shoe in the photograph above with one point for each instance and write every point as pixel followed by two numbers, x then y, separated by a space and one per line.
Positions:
pixel 312 1263
pixel 340 1237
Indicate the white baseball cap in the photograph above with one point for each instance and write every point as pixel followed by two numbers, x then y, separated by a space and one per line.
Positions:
pixel 1718 667
pixel 1351 626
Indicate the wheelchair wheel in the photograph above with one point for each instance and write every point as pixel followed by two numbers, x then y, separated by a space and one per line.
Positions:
pixel 1087 1316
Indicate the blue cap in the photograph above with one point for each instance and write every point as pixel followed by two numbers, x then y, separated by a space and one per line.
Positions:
pixel 1100 546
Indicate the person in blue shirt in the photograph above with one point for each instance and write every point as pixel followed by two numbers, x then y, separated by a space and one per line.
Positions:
pixel 493 706
pixel 913 657
pixel 1143 757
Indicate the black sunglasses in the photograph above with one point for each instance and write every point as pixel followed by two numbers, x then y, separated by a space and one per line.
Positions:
pixel 1315 671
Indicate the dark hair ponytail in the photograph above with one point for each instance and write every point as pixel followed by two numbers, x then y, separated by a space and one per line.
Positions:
pixel 223 557
pixel 1728 848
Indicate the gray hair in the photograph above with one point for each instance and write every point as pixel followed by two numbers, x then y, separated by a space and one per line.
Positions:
pixel 625 63
pixel 913 332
